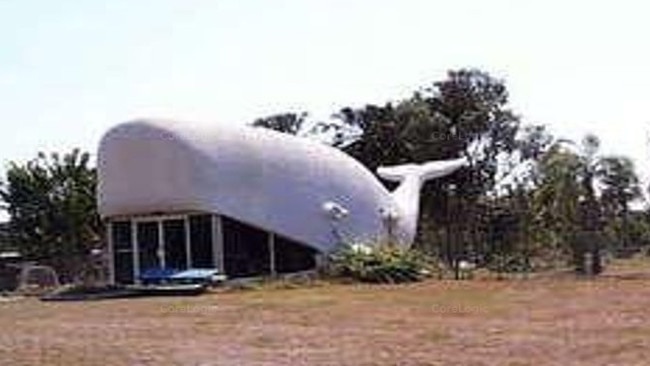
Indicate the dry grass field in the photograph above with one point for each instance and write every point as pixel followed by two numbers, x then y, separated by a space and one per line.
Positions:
pixel 543 321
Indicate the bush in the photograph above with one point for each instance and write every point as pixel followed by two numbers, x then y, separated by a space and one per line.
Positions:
pixel 509 263
pixel 379 264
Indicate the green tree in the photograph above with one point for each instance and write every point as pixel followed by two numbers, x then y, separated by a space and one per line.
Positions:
pixel 556 199
pixel 52 207
pixel 511 214
pixel 620 186
pixel 464 115
pixel 567 203
pixel 291 123
pixel 4 236
pixel 590 208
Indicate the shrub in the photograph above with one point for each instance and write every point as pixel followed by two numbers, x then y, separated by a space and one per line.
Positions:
pixel 382 263
pixel 509 263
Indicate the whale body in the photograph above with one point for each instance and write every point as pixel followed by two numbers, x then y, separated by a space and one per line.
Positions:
pixel 298 188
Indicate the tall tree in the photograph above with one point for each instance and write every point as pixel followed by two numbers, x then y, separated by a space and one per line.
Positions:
pixel 521 178
pixel 4 236
pixel 463 115
pixel 567 200
pixel 52 207
pixel 620 187
pixel 590 238
pixel 557 198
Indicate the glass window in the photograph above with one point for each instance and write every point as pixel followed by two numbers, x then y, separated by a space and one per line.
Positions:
pixel 148 237
pixel 201 241
pixel 122 251
pixel 246 249
pixel 174 241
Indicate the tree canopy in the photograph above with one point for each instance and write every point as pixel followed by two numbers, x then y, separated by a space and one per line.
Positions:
pixel 291 123
pixel 51 202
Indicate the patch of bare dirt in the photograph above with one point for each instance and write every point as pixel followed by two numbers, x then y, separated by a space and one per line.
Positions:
pixel 604 321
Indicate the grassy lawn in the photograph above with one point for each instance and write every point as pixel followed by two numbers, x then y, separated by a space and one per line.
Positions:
pixel 543 321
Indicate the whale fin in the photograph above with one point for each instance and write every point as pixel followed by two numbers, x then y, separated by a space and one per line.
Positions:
pixel 424 172
pixel 407 195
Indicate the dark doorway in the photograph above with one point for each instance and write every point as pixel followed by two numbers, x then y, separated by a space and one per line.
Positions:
pixel 201 239
pixel 245 249
pixel 148 241
pixel 122 251
pixel 291 256
pixel 174 236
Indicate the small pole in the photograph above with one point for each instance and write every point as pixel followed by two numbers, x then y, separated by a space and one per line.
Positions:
pixel 271 244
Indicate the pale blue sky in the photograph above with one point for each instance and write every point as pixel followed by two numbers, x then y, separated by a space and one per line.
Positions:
pixel 71 69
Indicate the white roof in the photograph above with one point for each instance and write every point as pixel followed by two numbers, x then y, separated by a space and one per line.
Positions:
pixel 278 182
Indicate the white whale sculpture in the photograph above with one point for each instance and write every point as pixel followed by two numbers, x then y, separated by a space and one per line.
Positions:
pixel 301 189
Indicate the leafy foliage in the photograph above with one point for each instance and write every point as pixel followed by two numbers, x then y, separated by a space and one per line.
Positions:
pixel 620 186
pixel 380 264
pixel 569 206
pixel 291 123
pixel 4 236
pixel 52 207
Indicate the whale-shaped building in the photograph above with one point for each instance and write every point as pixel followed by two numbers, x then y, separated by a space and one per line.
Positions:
pixel 245 200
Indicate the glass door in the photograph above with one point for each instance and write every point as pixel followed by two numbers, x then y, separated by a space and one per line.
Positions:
pixel 120 234
pixel 161 242
pixel 148 240
pixel 175 245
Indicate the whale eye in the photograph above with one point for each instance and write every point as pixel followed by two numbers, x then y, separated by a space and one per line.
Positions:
pixel 335 210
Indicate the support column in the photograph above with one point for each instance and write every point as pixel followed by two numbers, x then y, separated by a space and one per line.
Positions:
pixel 271 243
pixel 111 252
pixel 217 243
pixel 188 246
pixel 134 248
pixel 162 257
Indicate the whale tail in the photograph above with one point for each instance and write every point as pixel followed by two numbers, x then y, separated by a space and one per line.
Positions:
pixel 423 172
pixel 407 195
